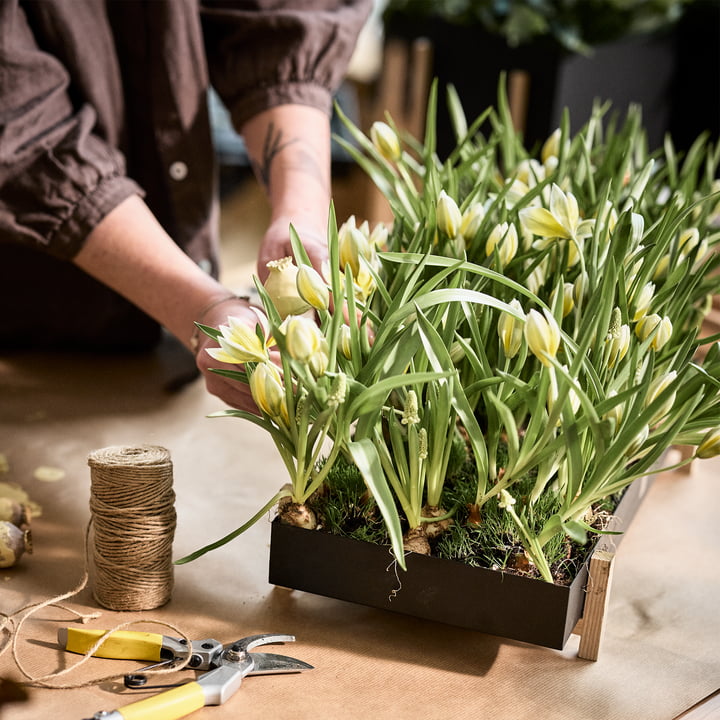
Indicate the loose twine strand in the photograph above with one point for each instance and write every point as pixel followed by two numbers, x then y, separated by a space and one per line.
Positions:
pixel 133 516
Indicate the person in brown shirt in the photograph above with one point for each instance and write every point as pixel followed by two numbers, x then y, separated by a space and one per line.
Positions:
pixel 108 207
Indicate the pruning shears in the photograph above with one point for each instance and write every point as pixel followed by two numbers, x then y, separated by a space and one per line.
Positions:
pixel 225 666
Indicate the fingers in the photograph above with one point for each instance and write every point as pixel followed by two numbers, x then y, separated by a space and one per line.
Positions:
pixel 233 392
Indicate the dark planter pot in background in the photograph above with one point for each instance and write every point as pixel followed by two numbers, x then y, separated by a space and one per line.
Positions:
pixel 447 591
pixel 637 69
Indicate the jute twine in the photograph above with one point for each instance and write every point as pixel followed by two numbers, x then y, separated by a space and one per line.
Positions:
pixel 133 514
pixel 132 505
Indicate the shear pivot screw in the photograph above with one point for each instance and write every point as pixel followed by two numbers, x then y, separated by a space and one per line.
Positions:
pixel 235 653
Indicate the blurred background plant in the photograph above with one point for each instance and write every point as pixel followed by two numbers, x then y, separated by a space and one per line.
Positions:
pixel 575 26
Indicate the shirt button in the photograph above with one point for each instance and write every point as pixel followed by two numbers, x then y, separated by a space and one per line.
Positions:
pixel 178 170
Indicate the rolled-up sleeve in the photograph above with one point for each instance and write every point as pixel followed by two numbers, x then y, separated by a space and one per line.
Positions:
pixel 267 53
pixel 57 178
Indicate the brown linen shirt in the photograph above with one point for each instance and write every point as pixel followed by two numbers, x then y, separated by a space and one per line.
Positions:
pixel 100 99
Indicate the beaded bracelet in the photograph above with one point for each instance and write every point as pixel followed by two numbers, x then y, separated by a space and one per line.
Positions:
pixel 195 337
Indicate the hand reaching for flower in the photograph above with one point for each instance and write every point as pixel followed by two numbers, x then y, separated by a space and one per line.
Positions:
pixel 276 245
pixel 244 318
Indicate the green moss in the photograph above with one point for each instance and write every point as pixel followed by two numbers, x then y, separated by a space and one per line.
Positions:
pixel 346 508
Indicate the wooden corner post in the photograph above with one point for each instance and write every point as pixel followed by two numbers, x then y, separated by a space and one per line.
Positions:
pixel 596 603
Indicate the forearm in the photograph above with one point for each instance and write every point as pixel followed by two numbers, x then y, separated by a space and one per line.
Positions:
pixel 289 146
pixel 131 253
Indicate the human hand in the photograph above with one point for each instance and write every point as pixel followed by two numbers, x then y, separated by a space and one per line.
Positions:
pixel 234 392
pixel 276 245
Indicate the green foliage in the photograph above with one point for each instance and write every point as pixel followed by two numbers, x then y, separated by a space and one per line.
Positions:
pixel 546 309
pixel 574 25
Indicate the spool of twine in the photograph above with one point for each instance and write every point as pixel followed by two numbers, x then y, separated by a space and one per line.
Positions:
pixel 133 518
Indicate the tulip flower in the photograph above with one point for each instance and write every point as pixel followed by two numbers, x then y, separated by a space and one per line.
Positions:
pixel 312 288
pixel 615 415
pixel 658 386
pixel 344 342
pixel 386 141
pixel 634 449
pixel 542 335
pixel 510 330
pixel 449 218
pixel 306 343
pixel 504 237
pixel 267 390
pixel 642 302
pixel 688 239
pixel 379 236
pixel 710 445
pixel 281 286
pixel 471 221
pixel 353 245
pixel 654 323
pixel 568 302
pixel 562 220
pixel 553 393
pixel 551 147
pixel 239 342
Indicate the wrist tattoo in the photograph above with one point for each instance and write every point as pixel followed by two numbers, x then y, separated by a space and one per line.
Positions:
pixel 272 146
pixel 274 143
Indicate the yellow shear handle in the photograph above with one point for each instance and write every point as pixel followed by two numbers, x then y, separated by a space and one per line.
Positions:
pixel 122 644
pixel 168 705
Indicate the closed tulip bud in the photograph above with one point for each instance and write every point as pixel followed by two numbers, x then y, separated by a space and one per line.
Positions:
pixel 579 287
pixel 615 415
pixel 637 228
pixel 663 334
pixel 353 244
pixel 318 362
pixel 312 288
pixel 542 334
pixel 281 286
pixel 568 298
pixel 457 352
pixel 510 330
pixel 551 147
pixel 643 300
pixel 364 284
pixel 658 386
pixel 710 445
pixel 449 218
pixel 634 449
pixel 379 236
pixel 661 269
pixel 530 172
pixel 504 237
pixel 688 239
pixel 536 279
pixel 471 221
pixel 654 323
pixel 344 341
pixel 303 338
pixel 553 394
pixel 386 141
pixel 267 390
